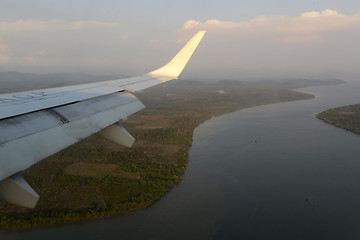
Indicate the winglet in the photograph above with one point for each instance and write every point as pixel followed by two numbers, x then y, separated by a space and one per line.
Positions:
pixel 173 69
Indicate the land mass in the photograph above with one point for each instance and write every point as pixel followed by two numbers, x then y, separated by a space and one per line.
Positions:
pixel 96 178
pixel 346 117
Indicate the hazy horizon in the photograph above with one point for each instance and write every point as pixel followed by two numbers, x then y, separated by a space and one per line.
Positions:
pixel 257 40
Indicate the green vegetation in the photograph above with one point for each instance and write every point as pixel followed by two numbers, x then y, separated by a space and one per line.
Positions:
pixel 347 117
pixel 97 178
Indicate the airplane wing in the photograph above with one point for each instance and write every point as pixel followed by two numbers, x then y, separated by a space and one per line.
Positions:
pixel 37 124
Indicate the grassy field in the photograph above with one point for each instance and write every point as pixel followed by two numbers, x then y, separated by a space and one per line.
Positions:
pixel 96 178
pixel 347 117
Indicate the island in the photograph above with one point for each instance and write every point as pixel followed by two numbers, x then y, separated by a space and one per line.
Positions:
pixel 346 117
pixel 96 178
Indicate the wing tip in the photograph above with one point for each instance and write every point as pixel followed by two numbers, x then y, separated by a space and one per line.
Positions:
pixel 174 68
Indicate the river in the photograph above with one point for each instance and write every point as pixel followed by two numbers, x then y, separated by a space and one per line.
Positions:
pixel 268 172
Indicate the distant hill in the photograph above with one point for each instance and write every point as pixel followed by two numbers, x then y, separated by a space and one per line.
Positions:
pixel 18 81
pixel 286 81
pixel 304 81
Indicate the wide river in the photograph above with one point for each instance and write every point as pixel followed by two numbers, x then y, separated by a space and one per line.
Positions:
pixel 268 172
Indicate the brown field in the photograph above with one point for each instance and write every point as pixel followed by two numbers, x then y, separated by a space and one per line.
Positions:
pixel 90 169
pixel 347 113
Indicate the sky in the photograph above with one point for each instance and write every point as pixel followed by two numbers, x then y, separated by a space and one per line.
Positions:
pixel 246 39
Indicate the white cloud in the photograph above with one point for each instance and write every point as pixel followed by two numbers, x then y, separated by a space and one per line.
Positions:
pixel 326 13
pixel 191 24
pixel 313 41
pixel 323 41
pixel 308 22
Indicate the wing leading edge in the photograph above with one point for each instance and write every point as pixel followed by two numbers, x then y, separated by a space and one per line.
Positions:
pixel 37 124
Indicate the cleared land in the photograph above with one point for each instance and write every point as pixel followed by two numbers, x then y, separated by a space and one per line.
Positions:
pixel 97 178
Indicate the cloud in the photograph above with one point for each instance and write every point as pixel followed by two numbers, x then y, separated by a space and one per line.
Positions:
pixel 33 25
pixel 210 24
pixel 327 18
pixel 326 13
pixel 310 42
pixel 72 44
pixel 309 27
pixel 5 53
pixel 191 24
pixel 320 41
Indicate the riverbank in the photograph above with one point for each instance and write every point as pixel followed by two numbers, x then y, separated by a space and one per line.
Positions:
pixel 96 178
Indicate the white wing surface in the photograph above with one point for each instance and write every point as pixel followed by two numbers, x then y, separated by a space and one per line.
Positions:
pixel 37 124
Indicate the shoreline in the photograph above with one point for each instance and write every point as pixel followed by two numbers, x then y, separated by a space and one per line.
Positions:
pixel 345 117
pixel 97 212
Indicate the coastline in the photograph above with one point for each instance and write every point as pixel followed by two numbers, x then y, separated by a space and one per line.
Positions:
pixel 178 121
pixel 345 117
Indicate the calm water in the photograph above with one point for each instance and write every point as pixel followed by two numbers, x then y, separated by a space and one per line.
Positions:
pixel 269 172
